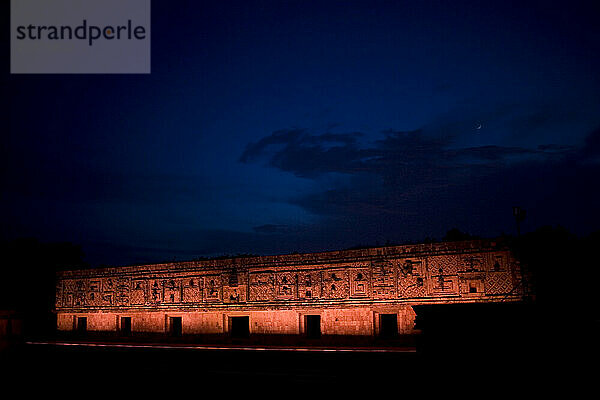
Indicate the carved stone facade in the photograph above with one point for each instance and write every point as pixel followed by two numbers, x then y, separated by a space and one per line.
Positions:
pixel 348 290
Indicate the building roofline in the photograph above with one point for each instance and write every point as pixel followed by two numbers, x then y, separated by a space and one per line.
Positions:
pixel 304 258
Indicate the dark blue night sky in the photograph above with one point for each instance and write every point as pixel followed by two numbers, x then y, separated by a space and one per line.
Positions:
pixel 273 127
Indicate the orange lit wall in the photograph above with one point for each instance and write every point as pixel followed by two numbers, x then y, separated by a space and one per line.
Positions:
pixel 349 290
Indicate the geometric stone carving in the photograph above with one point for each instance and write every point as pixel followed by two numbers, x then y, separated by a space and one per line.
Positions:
pixel 397 274
pixel 212 288
pixel 309 285
pixel 444 284
pixel 360 283
pixel 262 286
pixel 384 280
pixel 286 285
pixel 335 284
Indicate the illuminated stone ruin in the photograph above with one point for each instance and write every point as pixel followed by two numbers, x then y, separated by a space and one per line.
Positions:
pixel 352 292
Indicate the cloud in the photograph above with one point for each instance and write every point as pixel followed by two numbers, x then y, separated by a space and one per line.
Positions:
pixel 412 181
pixel 271 228
pixel 400 156
pixel 306 155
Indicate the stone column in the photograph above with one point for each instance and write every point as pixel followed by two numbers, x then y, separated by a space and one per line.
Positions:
pixel 406 320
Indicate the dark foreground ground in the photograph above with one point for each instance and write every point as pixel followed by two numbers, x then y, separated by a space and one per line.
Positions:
pixel 459 355
pixel 84 363
pixel 82 371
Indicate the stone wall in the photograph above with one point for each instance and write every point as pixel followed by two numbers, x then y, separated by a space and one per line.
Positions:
pixel 349 290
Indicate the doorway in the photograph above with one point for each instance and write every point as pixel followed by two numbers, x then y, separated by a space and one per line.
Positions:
pixel 312 326
pixel 126 326
pixel 388 325
pixel 175 326
pixel 81 325
pixel 240 327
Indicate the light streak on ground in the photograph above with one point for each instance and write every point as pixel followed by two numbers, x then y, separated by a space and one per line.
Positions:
pixel 243 348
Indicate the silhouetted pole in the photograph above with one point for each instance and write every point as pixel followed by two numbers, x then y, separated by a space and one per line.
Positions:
pixel 519 215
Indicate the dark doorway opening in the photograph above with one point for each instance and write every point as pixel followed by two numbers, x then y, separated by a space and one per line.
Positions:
pixel 81 325
pixel 126 326
pixel 240 327
pixel 175 326
pixel 388 325
pixel 312 325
